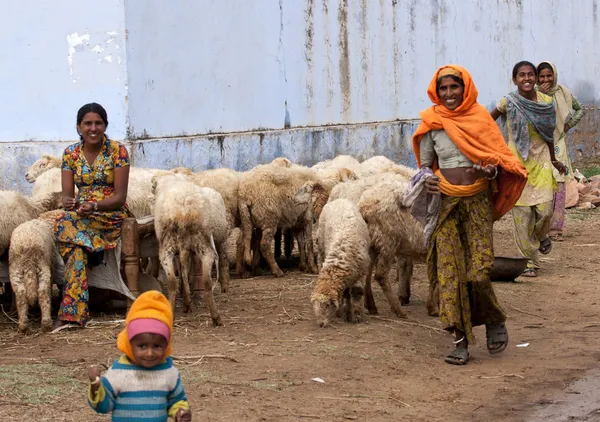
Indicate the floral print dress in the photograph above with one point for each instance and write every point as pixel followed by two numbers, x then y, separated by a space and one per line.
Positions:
pixel 76 235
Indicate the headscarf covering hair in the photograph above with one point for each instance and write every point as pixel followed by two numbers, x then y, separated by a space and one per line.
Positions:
pixel 149 305
pixel 475 133
pixel 563 100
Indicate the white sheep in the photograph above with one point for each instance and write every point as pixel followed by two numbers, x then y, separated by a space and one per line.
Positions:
pixel 31 258
pixel 380 164
pixel 340 161
pixel 267 201
pixel 394 233
pixel 343 238
pixel 16 209
pixel 45 163
pixel 191 223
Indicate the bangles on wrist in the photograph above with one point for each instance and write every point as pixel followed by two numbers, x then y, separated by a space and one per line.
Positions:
pixel 495 174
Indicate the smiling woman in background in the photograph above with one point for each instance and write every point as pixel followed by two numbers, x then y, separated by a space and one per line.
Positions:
pixel 568 113
pixel 92 221
pixel 479 180
pixel 531 119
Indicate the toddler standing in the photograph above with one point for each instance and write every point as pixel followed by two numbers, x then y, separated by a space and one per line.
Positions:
pixel 143 384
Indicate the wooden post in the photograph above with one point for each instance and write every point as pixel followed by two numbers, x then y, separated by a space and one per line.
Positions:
pixel 131 250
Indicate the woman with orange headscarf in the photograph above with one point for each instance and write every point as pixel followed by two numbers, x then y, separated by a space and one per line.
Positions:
pixel 480 180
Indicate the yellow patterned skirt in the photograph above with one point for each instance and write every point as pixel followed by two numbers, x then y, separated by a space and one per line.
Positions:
pixel 459 263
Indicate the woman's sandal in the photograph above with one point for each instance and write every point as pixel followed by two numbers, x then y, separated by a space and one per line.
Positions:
pixel 545 246
pixel 529 272
pixel 459 356
pixel 496 334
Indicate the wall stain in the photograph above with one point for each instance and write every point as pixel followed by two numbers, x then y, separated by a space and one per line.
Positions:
pixel 364 38
pixel 595 13
pixel 396 53
pixel 221 142
pixel 329 64
pixel 344 65
pixel 309 55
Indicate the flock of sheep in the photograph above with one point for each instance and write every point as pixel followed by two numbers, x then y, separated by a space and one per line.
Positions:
pixel 347 218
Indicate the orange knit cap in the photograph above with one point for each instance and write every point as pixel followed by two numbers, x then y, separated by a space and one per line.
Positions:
pixel 151 304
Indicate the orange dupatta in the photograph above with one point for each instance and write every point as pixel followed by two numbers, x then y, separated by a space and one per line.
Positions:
pixel 474 132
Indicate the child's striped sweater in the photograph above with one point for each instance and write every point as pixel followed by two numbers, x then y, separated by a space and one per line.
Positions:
pixel 133 393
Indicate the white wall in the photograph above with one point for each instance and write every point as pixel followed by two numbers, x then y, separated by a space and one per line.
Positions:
pixel 55 56
pixel 197 67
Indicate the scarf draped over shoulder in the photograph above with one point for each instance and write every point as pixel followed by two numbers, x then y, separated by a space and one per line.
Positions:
pixel 475 133
pixel 521 112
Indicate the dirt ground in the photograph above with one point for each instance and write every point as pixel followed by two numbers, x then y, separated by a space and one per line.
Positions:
pixel 380 370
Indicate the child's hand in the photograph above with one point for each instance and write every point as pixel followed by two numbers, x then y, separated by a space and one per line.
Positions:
pixel 94 374
pixel 183 415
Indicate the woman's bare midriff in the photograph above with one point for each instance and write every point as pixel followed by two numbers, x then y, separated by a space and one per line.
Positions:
pixel 459 176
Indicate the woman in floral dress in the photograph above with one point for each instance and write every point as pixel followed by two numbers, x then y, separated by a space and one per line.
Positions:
pixel 99 167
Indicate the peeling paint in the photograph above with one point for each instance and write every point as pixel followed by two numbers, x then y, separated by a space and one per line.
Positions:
pixel 75 43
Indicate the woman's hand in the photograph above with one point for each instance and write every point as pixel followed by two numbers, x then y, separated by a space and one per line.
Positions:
pixel 545 87
pixel 85 209
pixel 69 203
pixel 562 169
pixel 183 415
pixel 480 171
pixel 432 183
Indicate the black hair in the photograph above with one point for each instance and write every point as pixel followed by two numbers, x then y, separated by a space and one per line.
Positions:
pixel 544 65
pixel 454 78
pixel 91 108
pixel 520 65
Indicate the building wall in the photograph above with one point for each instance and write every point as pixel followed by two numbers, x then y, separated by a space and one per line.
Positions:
pixel 209 83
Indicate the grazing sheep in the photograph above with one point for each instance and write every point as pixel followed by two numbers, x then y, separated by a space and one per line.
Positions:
pixel 344 251
pixel 394 232
pixel 16 209
pixel 191 223
pixel 45 163
pixel 267 201
pixel 31 257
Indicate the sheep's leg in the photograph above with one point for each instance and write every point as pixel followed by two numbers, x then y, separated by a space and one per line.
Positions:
pixel 303 265
pixel 206 262
pixel 256 256
pixel 44 293
pixel 154 267
pixel 369 300
pixel 382 270
pixel 308 235
pixel 246 224
pixel 405 273
pixel 22 305
pixel 239 257
pixel 166 260
pixel 277 248
pixel 355 308
pixel 265 248
pixel 185 265
pixel 223 266
pixel 288 243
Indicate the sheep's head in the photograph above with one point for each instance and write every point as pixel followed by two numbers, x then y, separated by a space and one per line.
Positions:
pixel 40 166
pixel 325 309
pixel 304 195
pixel 282 162
pixel 346 174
